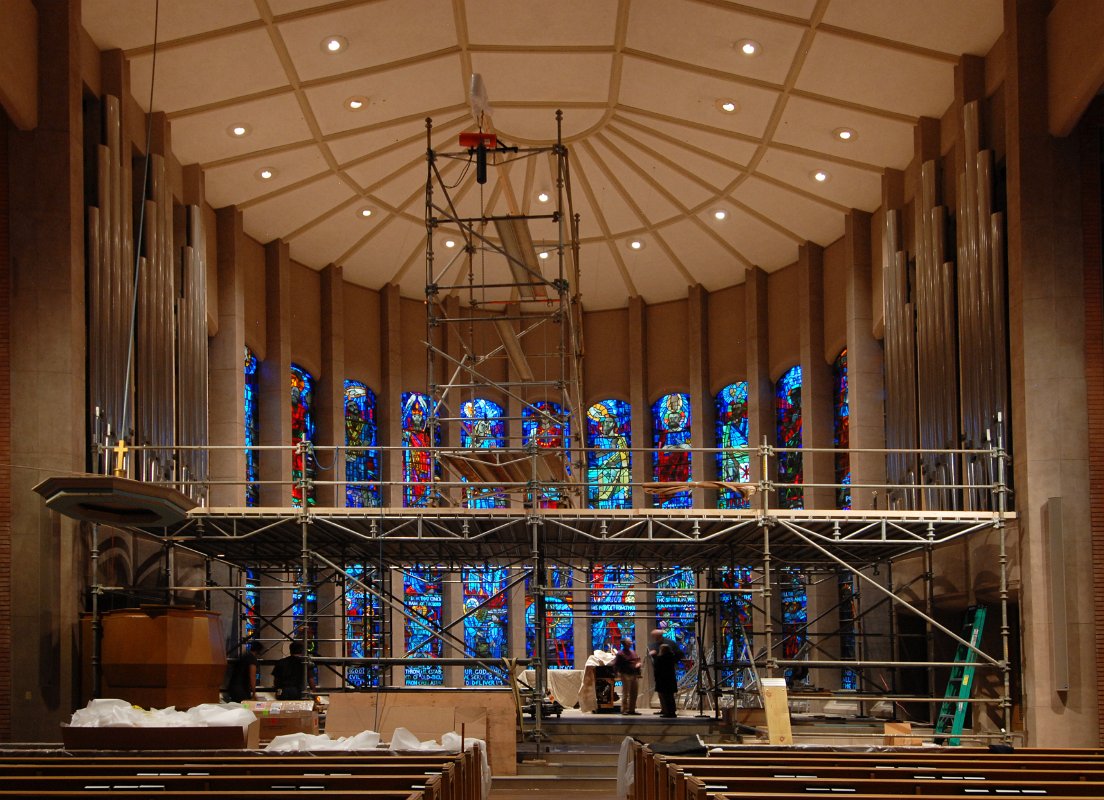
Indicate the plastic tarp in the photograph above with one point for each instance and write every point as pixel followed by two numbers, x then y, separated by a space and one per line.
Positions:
pixel 114 713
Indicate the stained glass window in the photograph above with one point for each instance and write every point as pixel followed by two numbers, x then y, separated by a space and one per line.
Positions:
pixel 795 617
pixel 848 611
pixel 788 405
pixel 547 424
pixel 360 431
pixel 302 427
pixel 485 625
pixel 482 427
pixel 842 431
pixel 252 489
pixel 559 619
pixel 733 464
pixel 735 619
pixel 363 625
pixel 304 611
pixel 677 610
pixel 423 599
pixel 671 426
pixel 609 460
pixel 418 460
pixel 612 605
pixel 250 596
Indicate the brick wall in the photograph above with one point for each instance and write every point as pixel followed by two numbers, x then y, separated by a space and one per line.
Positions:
pixel 5 443
pixel 1092 142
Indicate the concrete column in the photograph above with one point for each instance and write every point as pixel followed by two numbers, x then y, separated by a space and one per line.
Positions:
pixel 638 397
pixel 274 378
pixel 331 629
pixel 817 425
pixel 761 416
pixel 703 465
pixel 329 399
pixel 515 600
pixel 389 400
pixel 1046 332
pixel 47 383
pixel 226 414
pixel 398 628
pixel 865 379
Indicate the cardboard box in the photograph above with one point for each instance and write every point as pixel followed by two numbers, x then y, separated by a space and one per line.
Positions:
pixel 228 737
pixel 897 734
pixel 279 717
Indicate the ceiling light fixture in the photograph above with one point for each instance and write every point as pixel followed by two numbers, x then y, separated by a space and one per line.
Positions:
pixel 450 243
pixel 720 214
pixel 636 244
pixel 543 254
pixel 749 47
pixel 845 134
pixel 727 106
pixel 544 197
pixel 365 212
pixel 334 44
pixel 356 103
pixel 266 173
pixel 239 130
pixel 820 176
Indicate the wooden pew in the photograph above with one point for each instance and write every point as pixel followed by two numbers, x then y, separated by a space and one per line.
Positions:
pixel 699 789
pixel 370 794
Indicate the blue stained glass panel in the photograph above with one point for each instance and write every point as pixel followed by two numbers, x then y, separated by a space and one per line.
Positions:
pixel 733 464
pixel 250 598
pixel 302 427
pixel 848 611
pixel 795 615
pixel 735 618
pixel 482 427
pixel 548 425
pixel 788 406
pixel 559 619
pixel 360 431
pixel 418 460
pixel 423 598
pixel 677 610
pixel 612 605
pixel 363 625
pixel 486 626
pixel 609 459
pixel 252 489
pixel 671 433
pixel 842 430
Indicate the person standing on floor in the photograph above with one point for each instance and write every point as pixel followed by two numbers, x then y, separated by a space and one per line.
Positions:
pixel 665 656
pixel 287 674
pixel 243 677
pixel 627 664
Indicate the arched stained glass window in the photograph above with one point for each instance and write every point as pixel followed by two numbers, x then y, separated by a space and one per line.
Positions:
pixel 848 613
pixel 671 426
pixel 482 427
pixel 677 610
pixel 252 489
pixel 422 597
pixel 418 460
pixel 302 427
pixel 735 619
pixel 485 623
pixel 612 605
pixel 788 405
pixel 559 619
pixel 842 427
pixel 361 466
pixel 733 464
pixel 609 460
pixel 363 625
pixel 795 616
pixel 548 425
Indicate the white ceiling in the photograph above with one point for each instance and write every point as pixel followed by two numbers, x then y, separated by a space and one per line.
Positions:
pixel 652 156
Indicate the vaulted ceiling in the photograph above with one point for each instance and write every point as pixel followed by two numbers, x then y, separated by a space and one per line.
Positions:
pixel 643 84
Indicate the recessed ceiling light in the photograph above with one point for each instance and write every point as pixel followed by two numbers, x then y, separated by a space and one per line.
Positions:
pixel 239 130
pixel 544 197
pixel 450 243
pixel 845 134
pixel 266 173
pixel 720 214
pixel 636 244
pixel 543 254
pixel 356 103
pixel 727 106
pixel 749 47
pixel 334 44
pixel 365 212
pixel 820 176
